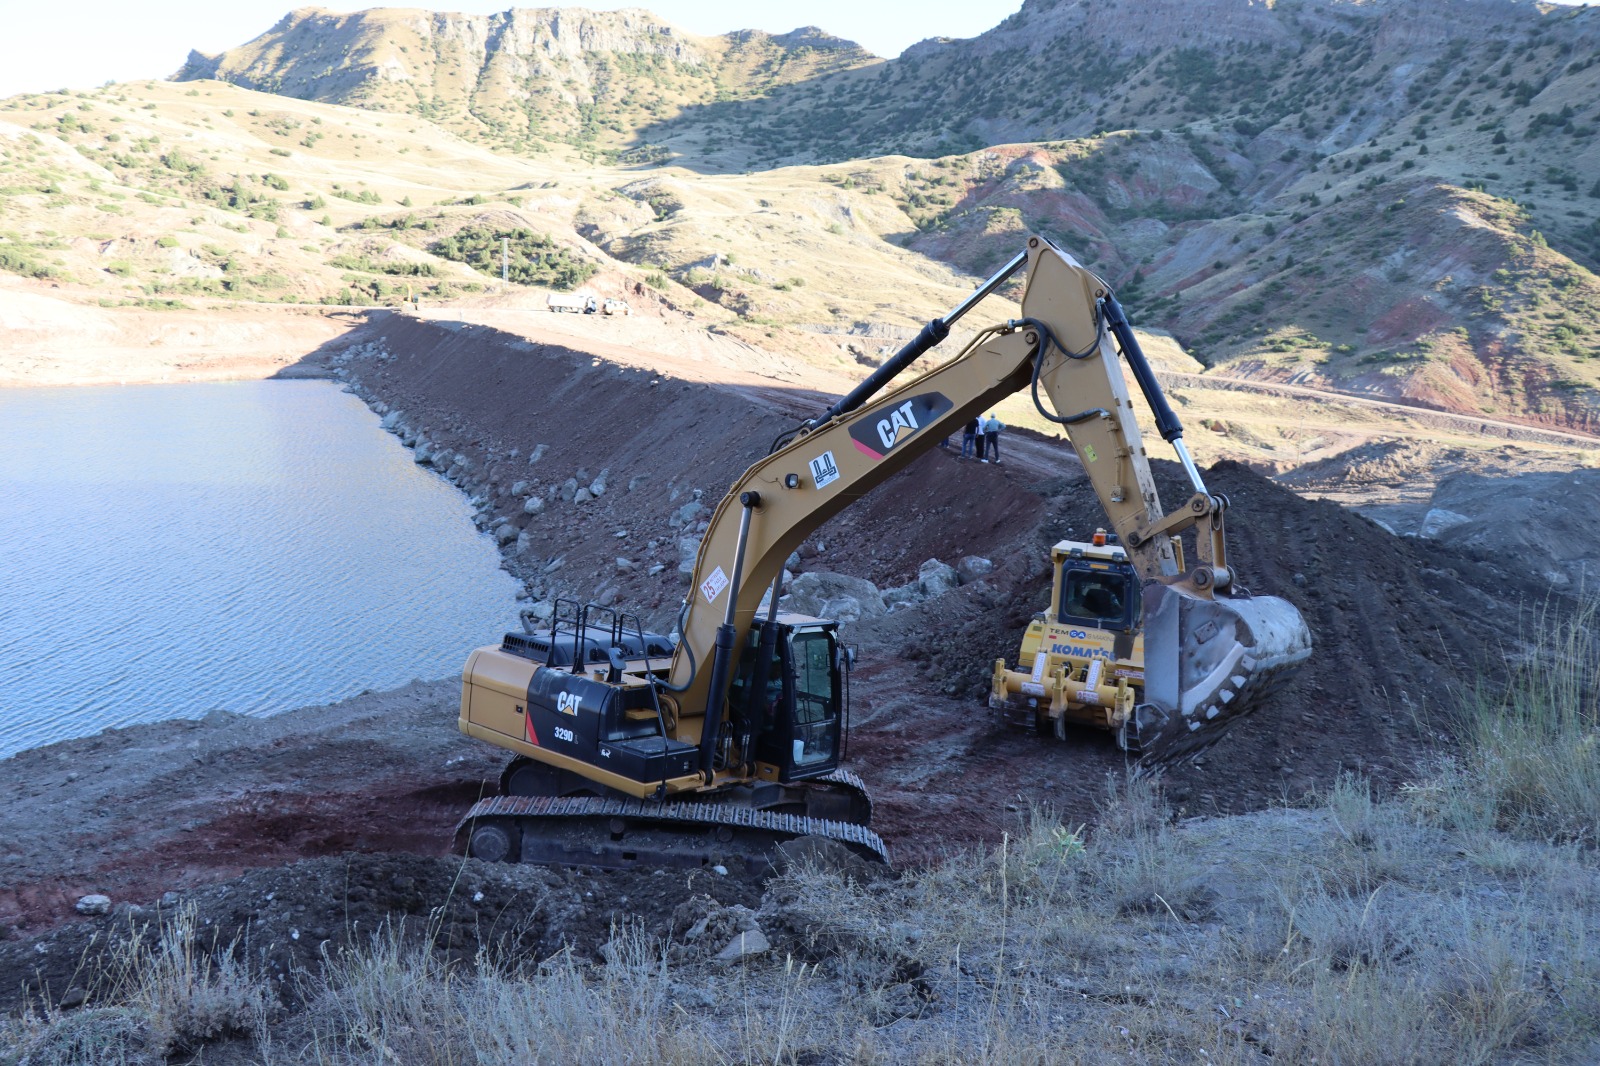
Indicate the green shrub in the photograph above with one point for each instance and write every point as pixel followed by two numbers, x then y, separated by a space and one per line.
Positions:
pixel 535 258
pixel 15 260
pixel 374 266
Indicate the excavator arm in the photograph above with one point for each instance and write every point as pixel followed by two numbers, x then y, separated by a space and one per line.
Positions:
pixel 1065 347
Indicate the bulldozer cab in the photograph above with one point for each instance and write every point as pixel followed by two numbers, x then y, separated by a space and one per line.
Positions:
pixel 790 699
pixel 1096 587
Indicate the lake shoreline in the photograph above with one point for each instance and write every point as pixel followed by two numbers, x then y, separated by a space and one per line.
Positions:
pixel 262 533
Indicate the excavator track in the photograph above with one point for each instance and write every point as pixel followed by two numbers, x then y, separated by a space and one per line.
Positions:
pixel 853 790
pixel 626 833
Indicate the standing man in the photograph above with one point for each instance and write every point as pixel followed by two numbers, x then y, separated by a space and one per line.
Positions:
pixel 969 439
pixel 991 436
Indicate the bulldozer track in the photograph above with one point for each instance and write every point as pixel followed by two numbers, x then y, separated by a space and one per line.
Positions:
pixel 622 833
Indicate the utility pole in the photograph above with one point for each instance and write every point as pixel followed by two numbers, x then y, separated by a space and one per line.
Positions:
pixel 505 260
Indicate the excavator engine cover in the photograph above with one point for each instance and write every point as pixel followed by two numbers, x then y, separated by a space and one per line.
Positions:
pixel 1207 664
pixel 587 720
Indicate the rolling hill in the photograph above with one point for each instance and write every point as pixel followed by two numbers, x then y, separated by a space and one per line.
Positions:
pixel 1387 199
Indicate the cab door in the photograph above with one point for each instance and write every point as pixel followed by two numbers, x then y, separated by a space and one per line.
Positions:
pixel 803 740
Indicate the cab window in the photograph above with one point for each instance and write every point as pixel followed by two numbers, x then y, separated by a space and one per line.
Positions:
pixel 816 714
pixel 1094 595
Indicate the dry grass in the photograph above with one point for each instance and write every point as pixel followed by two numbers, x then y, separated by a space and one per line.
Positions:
pixel 167 993
pixel 1531 762
pixel 1351 931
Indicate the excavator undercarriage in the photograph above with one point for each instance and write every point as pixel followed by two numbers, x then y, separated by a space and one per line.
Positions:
pixel 592 787
pixel 736 829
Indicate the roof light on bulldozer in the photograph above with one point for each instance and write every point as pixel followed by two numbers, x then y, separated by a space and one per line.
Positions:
pixel 1099 538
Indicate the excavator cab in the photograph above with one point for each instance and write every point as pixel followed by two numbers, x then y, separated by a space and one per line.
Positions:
pixel 791 700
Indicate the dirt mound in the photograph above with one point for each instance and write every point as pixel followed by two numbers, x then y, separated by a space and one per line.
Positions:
pixel 286 919
pixel 1540 522
pixel 172 805
pixel 1401 629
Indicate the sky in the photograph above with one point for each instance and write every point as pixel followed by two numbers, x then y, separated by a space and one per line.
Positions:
pixel 95 41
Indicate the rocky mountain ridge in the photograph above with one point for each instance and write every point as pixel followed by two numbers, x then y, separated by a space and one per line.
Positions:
pixel 518 77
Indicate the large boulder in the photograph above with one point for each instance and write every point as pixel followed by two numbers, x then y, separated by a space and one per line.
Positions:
pixel 1438 521
pixel 972 567
pixel 933 579
pixel 95 904
pixel 688 514
pixel 838 596
pixel 688 551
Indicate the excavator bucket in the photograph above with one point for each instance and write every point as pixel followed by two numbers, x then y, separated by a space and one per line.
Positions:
pixel 1207 663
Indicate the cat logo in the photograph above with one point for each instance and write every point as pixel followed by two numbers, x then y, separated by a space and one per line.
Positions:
pixel 567 702
pixel 880 433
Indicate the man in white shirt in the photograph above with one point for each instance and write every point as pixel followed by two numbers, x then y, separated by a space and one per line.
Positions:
pixel 991 438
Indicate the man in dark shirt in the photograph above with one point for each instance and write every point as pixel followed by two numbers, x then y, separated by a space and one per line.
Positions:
pixel 969 438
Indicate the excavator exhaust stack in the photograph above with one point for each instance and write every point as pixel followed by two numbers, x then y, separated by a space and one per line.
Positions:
pixel 1208 663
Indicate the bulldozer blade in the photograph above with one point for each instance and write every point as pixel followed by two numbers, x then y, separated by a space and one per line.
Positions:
pixel 1208 663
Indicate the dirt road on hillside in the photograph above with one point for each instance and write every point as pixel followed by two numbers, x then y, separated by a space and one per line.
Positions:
pixel 1488 427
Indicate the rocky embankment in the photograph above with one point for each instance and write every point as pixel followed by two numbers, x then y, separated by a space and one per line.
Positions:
pixel 598 481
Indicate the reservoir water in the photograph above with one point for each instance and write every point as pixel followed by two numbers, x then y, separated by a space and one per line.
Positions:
pixel 166 550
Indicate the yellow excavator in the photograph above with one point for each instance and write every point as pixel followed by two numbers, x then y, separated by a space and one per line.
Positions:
pixel 719 746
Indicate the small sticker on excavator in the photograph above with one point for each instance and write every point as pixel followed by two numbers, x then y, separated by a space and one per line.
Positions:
pixel 712 586
pixel 824 471
pixel 1089 453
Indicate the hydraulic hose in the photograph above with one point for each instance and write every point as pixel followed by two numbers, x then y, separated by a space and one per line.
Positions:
pixel 1047 340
